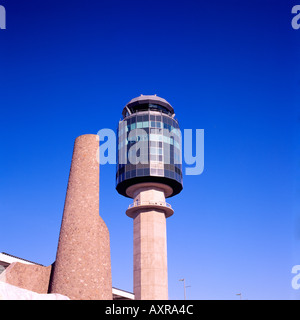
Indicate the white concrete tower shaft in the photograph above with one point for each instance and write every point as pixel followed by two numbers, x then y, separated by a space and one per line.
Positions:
pixel 150 271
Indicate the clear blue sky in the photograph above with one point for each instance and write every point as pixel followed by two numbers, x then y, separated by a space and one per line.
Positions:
pixel 229 67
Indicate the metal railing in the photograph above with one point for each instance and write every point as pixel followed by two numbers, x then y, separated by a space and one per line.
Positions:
pixel 145 203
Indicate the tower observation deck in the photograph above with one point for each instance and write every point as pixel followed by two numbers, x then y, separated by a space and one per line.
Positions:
pixel 149 170
pixel 157 144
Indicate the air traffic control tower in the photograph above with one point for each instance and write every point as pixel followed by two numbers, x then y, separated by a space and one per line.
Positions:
pixel 149 170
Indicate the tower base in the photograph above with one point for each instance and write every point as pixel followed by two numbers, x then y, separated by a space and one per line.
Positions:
pixel 150 271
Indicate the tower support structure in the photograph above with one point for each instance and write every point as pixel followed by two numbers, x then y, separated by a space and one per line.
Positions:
pixel 149 211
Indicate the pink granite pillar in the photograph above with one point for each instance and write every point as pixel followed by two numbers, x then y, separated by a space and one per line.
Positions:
pixel 82 270
pixel 150 281
pixel 150 270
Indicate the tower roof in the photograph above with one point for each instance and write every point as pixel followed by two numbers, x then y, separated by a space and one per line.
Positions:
pixel 147 99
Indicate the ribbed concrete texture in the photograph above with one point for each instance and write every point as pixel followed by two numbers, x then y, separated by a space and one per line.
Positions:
pixel 150 271
pixel 82 270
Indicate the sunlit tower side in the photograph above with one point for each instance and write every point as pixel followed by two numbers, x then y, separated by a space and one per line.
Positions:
pixel 149 170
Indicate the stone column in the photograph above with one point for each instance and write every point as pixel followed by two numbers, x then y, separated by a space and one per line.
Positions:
pixel 150 274
pixel 82 270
